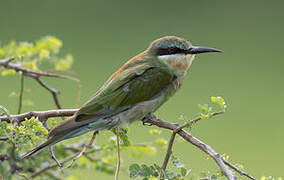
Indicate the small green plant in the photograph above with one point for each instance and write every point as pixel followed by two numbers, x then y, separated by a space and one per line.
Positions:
pixel 153 172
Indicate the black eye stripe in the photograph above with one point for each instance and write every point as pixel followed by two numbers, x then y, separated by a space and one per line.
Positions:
pixel 169 51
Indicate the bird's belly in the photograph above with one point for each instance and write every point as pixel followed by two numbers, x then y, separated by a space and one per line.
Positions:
pixel 137 112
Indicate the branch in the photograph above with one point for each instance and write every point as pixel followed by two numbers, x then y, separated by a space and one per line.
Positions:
pixel 149 119
pixel 50 166
pixel 168 155
pixel 21 94
pixel 36 75
pixel 53 156
pixel 83 150
pixel 27 72
pixel 238 170
pixel 7 113
pixel 118 155
pixel 53 91
pixel 40 114
pixel 193 140
pixel 170 145
pixel 4 138
pixel 70 158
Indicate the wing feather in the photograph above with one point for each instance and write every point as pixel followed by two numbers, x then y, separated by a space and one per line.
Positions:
pixel 125 92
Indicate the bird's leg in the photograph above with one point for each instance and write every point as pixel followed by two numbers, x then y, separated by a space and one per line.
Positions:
pixel 118 155
pixel 54 157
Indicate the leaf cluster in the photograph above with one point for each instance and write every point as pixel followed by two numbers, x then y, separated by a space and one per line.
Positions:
pixel 153 172
pixel 32 55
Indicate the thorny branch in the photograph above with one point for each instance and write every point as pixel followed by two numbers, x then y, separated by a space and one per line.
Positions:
pixel 151 119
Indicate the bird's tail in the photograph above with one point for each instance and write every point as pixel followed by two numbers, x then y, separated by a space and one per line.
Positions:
pixel 44 145
pixel 67 129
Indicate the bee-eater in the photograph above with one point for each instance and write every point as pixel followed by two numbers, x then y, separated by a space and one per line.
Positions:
pixel 137 89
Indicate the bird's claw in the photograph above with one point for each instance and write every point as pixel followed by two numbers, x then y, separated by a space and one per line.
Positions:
pixel 146 124
pixel 144 120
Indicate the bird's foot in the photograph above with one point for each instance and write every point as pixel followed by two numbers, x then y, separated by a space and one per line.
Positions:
pixel 145 119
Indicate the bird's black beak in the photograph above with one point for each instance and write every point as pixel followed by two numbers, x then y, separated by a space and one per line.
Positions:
pixel 198 50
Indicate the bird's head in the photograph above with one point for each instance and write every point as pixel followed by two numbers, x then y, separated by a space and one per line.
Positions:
pixel 176 53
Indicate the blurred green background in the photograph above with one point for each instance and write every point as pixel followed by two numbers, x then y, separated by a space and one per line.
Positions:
pixel 102 35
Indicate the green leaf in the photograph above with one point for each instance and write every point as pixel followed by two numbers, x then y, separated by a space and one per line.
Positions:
pixel 8 72
pixel 44 53
pixel 176 162
pixel 134 170
pixel 124 137
pixel 2 53
pixel 31 65
pixel 161 142
pixel 64 64
pixel 214 177
pixel 154 132
pixel 171 175
pixel 184 172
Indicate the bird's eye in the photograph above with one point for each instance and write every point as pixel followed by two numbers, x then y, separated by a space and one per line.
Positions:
pixel 168 51
pixel 172 50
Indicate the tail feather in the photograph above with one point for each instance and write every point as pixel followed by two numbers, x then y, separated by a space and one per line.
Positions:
pixel 65 130
pixel 37 149
pixel 55 139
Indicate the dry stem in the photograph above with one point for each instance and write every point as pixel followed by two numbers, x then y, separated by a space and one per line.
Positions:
pixel 118 155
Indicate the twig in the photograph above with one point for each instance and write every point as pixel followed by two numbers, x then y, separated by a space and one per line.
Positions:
pixel 36 75
pixel 79 93
pixel 7 113
pixel 22 175
pixel 168 155
pixel 53 91
pixel 170 145
pixel 86 154
pixel 238 170
pixel 82 151
pixel 27 72
pixel 50 166
pixel 40 114
pixel 4 138
pixel 118 155
pixel 4 157
pixel 21 94
pixel 54 157
pixel 53 175
pixel 195 120
pixel 54 165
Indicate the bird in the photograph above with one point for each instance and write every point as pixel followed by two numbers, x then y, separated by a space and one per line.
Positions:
pixel 137 89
